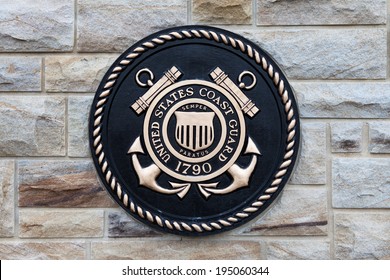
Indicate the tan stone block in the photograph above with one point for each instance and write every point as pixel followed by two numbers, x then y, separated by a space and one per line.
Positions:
pixel 298 250
pixel 42 250
pixel 176 250
pixel 60 224
pixel 60 184
pixel 7 171
pixel 297 212
pixel 75 74
pixel 222 11
pixel 362 235
pixel 311 167
pixel 32 126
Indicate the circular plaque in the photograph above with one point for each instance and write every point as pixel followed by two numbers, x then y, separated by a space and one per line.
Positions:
pixel 194 130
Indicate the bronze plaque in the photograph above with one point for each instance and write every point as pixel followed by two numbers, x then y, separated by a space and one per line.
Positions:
pixel 194 130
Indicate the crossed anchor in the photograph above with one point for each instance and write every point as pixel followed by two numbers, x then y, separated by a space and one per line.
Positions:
pixel 148 175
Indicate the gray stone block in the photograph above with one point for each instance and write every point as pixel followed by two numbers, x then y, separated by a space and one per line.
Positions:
pixel 307 12
pixel 32 126
pixel 78 114
pixel 18 73
pixel 379 137
pixel 113 26
pixel 343 100
pixel 362 236
pixel 36 26
pixel 346 137
pixel 361 182
pixel 7 212
pixel 326 53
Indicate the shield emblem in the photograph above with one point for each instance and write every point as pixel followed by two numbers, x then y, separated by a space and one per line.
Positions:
pixel 194 130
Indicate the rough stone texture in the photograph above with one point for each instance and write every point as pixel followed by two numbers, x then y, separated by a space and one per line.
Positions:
pixel 343 100
pixel 360 236
pixel 106 25
pixel 361 183
pixel 222 11
pixel 19 73
pixel 298 250
pixel 121 225
pixel 42 250
pixel 7 198
pixel 297 212
pixel 52 223
pixel 302 12
pixel 379 137
pixel 37 25
pixel 311 167
pixel 176 250
pixel 78 113
pixel 60 184
pixel 326 53
pixel 346 137
pixel 75 74
pixel 32 126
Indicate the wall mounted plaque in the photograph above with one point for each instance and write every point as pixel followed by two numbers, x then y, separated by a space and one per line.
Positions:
pixel 194 130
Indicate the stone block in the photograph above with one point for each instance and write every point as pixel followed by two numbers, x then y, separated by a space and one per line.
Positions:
pixel 296 212
pixel 362 236
pixel 298 250
pixel 326 53
pixel 48 183
pixel 311 167
pixel 176 250
pixel 20 73
pixel 379 142
pixel 32 126
pixel 306 12
pixel 42 250
pixel 60 224
pixel 222 11
pixel 343 100
pixel 120 224
pixel 361 182
pixel 7 171
pixel 346 137
pixel 113 26
pixel 78 114
pixel 75 74
pixel 35 26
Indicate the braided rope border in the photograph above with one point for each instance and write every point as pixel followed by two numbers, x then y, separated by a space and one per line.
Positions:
pixel 219 38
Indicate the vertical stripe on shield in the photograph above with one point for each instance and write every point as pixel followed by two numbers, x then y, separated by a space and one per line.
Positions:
pixel 194 130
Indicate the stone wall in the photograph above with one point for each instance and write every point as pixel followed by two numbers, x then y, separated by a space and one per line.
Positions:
pixel 53 55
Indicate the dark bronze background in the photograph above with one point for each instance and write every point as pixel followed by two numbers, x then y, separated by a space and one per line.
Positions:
pixel 195 58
